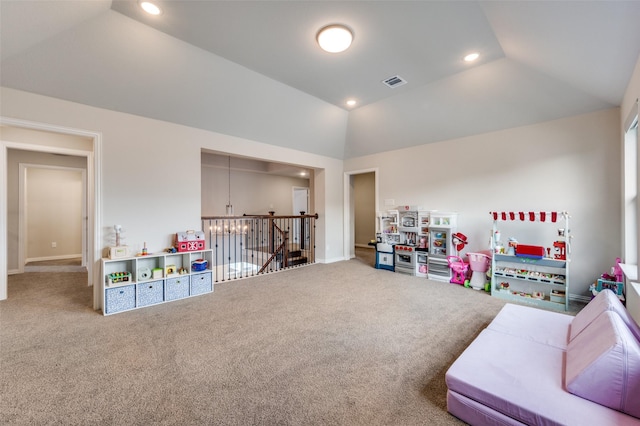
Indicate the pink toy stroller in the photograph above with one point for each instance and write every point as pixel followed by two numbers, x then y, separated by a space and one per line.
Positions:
pixel 459 269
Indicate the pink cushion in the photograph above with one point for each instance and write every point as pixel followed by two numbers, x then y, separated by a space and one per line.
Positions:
pixel 605 301
pixel 549 328
pixel 603 364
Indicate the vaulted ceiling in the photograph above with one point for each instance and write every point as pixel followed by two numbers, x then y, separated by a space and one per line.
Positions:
pixel 538 61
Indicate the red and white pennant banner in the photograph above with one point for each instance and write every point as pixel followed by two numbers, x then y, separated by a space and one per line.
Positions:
pixel 531 216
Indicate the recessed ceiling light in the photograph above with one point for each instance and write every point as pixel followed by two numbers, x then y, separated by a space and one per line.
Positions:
pixel 351 102
pixel 150 8
pixel 334 38
pixel 471 57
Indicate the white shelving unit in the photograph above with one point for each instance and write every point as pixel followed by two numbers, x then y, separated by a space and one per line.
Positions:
pixel 389 227
pixel 424 217
pixel 130 283
pixel 541 282
pixel 388 235
pixel 441 228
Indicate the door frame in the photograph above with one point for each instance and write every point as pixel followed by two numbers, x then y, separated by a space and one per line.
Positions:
pixel 349 235
pixel 94 196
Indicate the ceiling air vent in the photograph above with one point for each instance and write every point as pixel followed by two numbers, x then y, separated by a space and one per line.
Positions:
pixel 394 81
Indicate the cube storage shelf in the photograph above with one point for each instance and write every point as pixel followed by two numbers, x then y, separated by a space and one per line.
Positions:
pixel 144 288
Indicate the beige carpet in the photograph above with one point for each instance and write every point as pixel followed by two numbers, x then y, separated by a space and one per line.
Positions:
pixel 335 344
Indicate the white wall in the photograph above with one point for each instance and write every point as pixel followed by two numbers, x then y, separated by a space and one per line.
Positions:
pixel 570 164
pixel 151 174
pixel 53 213
pixel 251 192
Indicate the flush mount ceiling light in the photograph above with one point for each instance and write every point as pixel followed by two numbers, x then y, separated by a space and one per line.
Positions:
pixel 471 57
pixel 150 8
pixel 334 38
pixel 351 102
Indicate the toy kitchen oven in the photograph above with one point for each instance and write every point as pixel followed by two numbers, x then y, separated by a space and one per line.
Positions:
pixel 412 252
pixel 441 229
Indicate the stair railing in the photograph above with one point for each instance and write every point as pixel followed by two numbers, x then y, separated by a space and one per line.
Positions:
pixel 250 245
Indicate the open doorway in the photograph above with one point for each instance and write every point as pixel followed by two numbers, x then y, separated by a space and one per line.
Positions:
pixel 40 139
pixel 361 201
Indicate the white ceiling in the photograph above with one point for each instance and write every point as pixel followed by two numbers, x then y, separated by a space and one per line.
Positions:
pixel 540 60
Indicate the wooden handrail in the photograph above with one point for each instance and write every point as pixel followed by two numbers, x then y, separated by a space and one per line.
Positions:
pixel 260 216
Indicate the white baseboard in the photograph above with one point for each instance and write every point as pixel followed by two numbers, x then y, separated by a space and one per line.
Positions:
pixel 331 260
pixel 13 271
pixel 578 298
pixel 62 257
pixel 367 246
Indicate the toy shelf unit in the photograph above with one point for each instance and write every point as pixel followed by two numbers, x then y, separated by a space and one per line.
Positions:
pixel 422 249
pixel 386 237
pixel 442 226
pixel 135 282
pixel 424 219
pixel 530 274
pixel 388 227
pixel 406 250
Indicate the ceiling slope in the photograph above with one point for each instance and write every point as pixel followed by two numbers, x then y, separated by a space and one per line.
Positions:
pixel 115 63
pixel 252 68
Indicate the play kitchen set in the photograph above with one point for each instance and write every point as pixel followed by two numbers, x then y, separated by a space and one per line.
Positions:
pixel 416 242
pixel 181 271
pixel 425 244
pixel 532 274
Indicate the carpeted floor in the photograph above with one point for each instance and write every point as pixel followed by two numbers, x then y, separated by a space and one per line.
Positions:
pixel 326 344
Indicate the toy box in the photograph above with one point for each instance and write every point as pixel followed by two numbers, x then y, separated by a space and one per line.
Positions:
pixel 189 241
pixel 199 265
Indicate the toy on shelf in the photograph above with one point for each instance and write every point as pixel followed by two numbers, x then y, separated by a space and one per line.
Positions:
pixel 561 250
pixel 199 265
pixel 189 241
pixel 118 250
pixel 119 277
